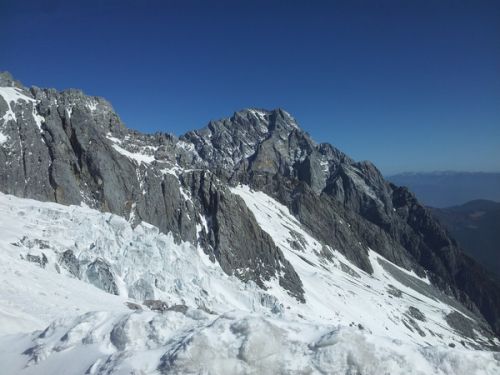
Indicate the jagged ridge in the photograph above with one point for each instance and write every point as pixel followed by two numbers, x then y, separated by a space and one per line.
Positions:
pixel 71 149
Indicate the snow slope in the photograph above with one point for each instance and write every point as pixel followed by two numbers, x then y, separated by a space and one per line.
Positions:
pixel 337 292
pixel 351 322
pixel 196 342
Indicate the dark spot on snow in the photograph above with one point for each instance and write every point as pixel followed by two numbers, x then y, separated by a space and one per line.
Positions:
pixel 345 268
pixel 393 291
pixel 156 305
pixel 70 263
pixel 416 327
pixel 416 314
pixel 41 260
pixel 133 306
pixel 298 242
pixel 178 308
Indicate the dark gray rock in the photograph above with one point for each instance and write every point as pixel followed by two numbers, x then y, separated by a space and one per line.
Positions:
pixel 69 261
pixel 298 242
pixel 178 308
pixel 345 268
pixel 41 260
pixel 460 324
pixel 32 243
pixel 156 305
pixel 416 314
pixel 395 292
pixel 119 335
pixel 412 325
pixel 99 274
pixel 235 239
pixel 133 306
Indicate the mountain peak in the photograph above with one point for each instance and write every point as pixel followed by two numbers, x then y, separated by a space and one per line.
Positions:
pixel 69 149
pixel 267 117
pixel 7 80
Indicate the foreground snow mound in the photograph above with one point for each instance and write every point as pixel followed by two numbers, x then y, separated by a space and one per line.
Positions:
pixel 195 342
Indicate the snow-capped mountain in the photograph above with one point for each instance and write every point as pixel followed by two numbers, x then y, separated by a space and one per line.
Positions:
pixel 242 247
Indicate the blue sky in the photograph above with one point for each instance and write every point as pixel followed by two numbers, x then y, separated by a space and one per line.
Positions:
pixel 409 85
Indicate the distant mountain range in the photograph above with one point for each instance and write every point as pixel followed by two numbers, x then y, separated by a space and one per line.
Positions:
pixel 446 189
pixel 476 225
pixel 467 204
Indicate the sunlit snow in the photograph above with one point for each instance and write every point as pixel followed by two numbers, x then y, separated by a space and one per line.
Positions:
pixel 348 325
pixel 13 95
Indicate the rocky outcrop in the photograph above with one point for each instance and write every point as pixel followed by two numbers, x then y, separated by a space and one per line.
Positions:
pixel 348 205
pixel 71 148
pixel 232 236
pixel 69 261
pixel 99 274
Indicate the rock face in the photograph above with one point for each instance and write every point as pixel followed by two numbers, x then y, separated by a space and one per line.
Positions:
pixel 70 148
pixel 99 274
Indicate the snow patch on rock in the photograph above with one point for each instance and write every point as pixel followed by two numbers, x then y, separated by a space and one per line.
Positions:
pixel 13 95
pixel 3 138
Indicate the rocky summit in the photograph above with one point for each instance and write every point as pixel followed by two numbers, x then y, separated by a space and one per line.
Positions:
pixel 300 230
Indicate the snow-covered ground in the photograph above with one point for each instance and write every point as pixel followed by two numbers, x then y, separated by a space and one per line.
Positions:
pixel 195 342
pixel 340 293
pixel 53 320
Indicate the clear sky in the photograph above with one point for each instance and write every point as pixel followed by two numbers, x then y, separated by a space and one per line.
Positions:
pixel 409 85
